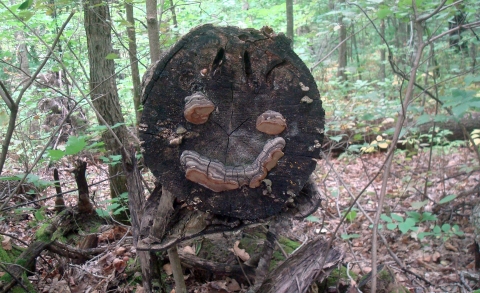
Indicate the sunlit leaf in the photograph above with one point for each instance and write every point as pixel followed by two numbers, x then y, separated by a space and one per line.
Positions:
pixel 75 145
pixel 111 56
pixel 56 155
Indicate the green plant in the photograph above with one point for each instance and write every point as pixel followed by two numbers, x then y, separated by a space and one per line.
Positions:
pixel 446 231
pixel 115 206
pixel 403 224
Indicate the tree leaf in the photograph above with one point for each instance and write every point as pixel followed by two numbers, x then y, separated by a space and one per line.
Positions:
pixel 391 226
pixel 111 56
pixel 25 5
pixel 419 204
pixel 397 218
pixel 312 219
pixel 75 145
pixel 56 155
pixel 351 216
pixel 409 224
pixel 386 218
pixel 383 12
pixel 349 236
pixel 446 228
pixel 447 198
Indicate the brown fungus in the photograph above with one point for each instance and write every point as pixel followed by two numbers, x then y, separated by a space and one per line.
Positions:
pixel 271 122
pixel 217 177
pixel 198 108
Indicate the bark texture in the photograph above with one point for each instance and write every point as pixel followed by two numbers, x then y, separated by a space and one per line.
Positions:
pixel 84 204
pixel 298 272
pixel 132 53
pixel 244 73
pixel 136 204
pixel 153 29
pixel 289 4
pixel 103 85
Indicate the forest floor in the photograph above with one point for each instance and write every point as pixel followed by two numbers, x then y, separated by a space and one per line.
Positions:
pixel 440 262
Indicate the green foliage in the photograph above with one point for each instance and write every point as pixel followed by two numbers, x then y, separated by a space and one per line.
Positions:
pixel 446 231
pixel 413 220
pixel 350 236
pixel 312 218
pixel 115 206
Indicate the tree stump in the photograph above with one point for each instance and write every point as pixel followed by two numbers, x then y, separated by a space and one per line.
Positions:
pixel 232 121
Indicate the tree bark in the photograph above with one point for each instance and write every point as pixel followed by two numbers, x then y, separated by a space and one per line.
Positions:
pixel 298 272
pixel 174 15
pixel 382 53
pixel 342 50
pixel 136 204
pixel 290 20
pixel 153 30
pixel 84 204
pixel 132 53
pixel 103 86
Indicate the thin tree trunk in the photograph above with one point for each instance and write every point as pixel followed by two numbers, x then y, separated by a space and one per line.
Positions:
pixel 136 204
pixel 132 53
pixel 357 57
pixel 103 86
pixel 290 20
pixel 382 53
pixel 342 50
pixel 153 30
pixel 174 15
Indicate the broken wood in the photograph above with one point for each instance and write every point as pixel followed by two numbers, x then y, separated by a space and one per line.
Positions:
pixel 136 205
pixel 59 201
pixel 84 204
pixel 238 272
pixel 301 269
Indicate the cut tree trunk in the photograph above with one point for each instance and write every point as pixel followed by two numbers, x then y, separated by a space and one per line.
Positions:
pixel 249 99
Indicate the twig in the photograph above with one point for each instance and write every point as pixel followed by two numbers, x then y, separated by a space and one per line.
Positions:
pixel 12 283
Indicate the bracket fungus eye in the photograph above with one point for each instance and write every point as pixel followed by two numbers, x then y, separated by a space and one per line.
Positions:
pixel 271 122
pixel 198 108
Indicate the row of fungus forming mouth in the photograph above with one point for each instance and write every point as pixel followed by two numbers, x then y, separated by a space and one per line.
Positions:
pixel 217 177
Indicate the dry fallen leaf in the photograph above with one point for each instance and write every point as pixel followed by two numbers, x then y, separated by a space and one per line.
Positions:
pixel 119 265
pixel 241 253
pixel 450 247
pixel 232 285
pixel 436 256
pixel 120 250
pixel 168 269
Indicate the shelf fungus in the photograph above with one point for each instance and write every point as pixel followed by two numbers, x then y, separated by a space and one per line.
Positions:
pixel 271 122
pixel 198 108
pixel 217 177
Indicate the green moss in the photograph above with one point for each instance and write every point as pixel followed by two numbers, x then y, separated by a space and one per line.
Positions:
pixel 288 245
pixel 42 233
pixel 340 275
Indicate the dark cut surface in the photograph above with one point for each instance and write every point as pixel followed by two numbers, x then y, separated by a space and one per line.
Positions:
pixel 244 72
